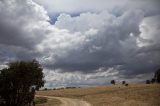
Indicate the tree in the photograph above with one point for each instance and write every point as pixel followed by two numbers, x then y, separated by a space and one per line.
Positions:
pixel 148 81
pixel 123 82
pixel 19 81
pixel 113 82
pixel 157 76
pixel 153 80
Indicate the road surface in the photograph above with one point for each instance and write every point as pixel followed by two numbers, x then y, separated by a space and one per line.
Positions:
pixel 68 101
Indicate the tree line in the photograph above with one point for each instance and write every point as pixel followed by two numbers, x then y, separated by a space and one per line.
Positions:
pixel 155 79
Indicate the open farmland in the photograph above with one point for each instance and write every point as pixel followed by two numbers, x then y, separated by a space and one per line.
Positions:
pixel 118 95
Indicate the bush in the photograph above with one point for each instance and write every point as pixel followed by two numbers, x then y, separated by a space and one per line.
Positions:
pixel 148 81
pixel 113 82
pixel 126 84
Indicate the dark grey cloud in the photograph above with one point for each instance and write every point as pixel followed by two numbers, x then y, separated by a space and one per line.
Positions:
pixel 20 29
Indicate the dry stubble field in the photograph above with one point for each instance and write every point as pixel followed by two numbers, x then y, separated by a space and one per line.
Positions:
pixel 118 95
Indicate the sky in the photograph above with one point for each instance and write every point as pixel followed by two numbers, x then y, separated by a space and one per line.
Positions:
pixel 83 42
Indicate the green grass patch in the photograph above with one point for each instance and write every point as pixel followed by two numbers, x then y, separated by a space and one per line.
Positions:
pixel 40 100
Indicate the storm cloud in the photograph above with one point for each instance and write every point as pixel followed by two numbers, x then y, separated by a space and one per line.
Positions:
pixel 89 43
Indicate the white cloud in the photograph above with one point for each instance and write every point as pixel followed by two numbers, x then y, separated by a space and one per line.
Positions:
pixel 150 30
pixel 90 37
pixel 85 21
pixel 113 6
pixel 72 6
pixel 3 66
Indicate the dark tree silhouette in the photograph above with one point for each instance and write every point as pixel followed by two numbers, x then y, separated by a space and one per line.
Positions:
pixel 148 81
pixel 113 82
pixel 19 81
pixel 123 82
pixel 157 76
pixel 153 80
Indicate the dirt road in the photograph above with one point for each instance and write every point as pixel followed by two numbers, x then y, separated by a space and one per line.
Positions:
pixel 69 101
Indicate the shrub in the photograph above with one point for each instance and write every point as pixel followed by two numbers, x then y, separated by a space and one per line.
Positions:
pixel 45 89
pixel 113 82
pixel 148 81
pixel 126 84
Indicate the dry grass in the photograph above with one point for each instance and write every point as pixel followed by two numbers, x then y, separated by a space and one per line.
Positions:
pixel 118 95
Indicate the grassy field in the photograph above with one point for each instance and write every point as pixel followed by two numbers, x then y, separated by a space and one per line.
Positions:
pixel 118 95
pixel 42 101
